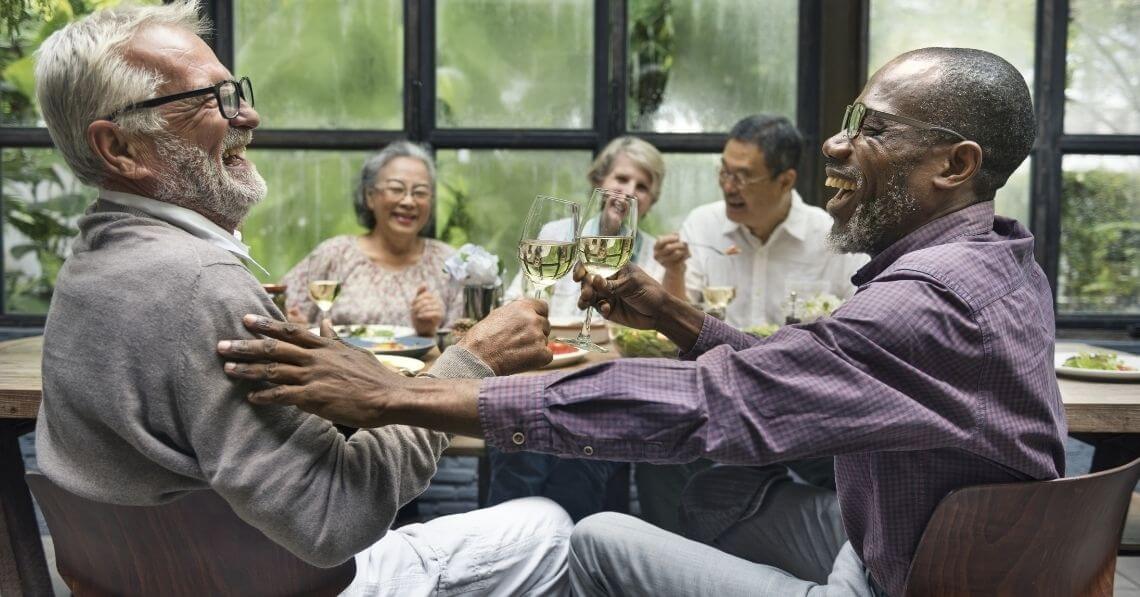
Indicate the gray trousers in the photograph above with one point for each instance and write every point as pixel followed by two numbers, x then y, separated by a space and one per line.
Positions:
pixel 800 539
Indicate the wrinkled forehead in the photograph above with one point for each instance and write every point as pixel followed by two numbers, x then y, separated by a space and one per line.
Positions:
pixel 182 58
pixel 903 86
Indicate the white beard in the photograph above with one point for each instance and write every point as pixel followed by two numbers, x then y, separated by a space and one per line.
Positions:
pixel 194 180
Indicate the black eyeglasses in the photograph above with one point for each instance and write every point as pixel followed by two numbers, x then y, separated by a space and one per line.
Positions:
pixel 853 121
pixel 228 93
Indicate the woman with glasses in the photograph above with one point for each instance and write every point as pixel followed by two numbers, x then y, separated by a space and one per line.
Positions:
pixel 390 274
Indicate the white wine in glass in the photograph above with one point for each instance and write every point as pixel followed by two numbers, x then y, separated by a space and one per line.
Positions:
pixel 546 248
pixel 323 293
pixel 718 297
pixel 605 245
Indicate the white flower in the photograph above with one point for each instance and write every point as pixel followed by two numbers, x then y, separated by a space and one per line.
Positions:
pixel 472 265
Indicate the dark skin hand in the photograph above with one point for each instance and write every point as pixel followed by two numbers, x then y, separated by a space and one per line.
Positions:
pixel 347 385
pixel 632 298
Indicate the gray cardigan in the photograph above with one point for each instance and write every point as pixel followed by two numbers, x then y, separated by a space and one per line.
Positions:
pixel 137 410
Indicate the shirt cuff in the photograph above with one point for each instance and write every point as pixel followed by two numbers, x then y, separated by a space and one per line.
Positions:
pixel 712 335
pixel 458 362
pixel 511 412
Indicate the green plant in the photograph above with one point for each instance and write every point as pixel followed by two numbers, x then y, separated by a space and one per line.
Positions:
pixel 652 46
pixel 1100 245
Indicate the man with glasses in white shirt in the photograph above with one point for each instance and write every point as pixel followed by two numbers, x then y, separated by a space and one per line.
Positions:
pixel 780 241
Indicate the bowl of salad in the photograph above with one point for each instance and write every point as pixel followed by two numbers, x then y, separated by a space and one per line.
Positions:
pixel 641 343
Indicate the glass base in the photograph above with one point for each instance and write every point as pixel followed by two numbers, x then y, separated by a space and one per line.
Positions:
pixel 582 342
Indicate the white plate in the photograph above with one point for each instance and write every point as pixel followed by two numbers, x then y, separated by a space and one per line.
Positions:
pixel 373 332
pixel 569 358
pixel 413 366
pixel 1099 374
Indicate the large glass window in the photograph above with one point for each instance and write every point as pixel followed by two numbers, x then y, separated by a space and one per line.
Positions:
pixel 1004 28
pixel 690 181
pixel 309 201
pixel 1100 232
pixel 515 63
pixel 1102 95
pixel 42 202
pixel 483 195
pixel 323 64
pixel 701 66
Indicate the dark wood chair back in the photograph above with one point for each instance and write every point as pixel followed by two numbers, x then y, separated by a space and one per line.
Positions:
pixel 194 545
pixel 1055 537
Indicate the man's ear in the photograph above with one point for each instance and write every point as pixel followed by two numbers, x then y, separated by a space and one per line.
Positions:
pixel 787 180
pixel 119 153
pixel 962 163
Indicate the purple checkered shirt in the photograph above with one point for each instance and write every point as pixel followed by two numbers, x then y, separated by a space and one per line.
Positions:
pixel 936 375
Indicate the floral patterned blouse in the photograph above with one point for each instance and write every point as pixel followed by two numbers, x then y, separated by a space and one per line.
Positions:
pixel 370 293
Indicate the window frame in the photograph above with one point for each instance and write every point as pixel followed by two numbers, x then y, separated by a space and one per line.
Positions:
pixel 831 69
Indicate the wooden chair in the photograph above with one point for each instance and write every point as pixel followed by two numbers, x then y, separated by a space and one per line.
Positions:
pixel 1055 537
pixel 194 545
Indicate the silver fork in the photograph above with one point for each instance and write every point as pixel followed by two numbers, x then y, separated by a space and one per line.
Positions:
pixel 728 252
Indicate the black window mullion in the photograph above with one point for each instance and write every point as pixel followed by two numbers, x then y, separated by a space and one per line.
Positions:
pixel 1049 91
pixel 808 68
pixel 420 109
pixel 221 15
pixel 611 76
pixel 1104 144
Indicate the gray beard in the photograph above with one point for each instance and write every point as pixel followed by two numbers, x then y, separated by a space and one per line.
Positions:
pixel 877 220
pixel 192 179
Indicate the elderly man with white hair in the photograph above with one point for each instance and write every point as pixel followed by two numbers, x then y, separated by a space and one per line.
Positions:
pixel 136 408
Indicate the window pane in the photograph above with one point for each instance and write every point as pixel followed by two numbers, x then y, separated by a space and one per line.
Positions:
pixel 701 66
pixel 484 195
pixel 17 84
pixel 42 202
pixel 1012 200
pixel 1004 28
pixel 1103 66
pixel 309 200
pixel 1100 235
pixel 323 64
pixel 690 181
pixel 515 63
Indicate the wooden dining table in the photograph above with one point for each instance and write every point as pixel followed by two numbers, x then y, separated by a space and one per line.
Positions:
pixel 1090 407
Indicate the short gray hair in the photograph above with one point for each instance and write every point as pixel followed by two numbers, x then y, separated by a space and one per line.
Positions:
pixel 81 76
pixel 371 170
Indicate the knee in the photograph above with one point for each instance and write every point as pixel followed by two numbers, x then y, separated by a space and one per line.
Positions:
pixel 540 512
pixel 590 533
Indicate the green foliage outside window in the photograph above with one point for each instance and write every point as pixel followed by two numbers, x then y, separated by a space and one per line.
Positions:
pixel 1100 248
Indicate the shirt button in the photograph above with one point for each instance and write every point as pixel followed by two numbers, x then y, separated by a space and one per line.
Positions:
pixel 588 451
pixel 518 438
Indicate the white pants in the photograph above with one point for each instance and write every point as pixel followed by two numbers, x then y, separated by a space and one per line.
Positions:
pixel 515 548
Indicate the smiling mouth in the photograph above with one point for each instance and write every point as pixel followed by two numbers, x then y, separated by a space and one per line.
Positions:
pixel 404 218
pixel 234 156
pixel 840 183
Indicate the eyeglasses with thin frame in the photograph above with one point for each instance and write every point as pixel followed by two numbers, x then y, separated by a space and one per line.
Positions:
pixel 397 189
pixel 723 175
pixel 228 94
pixel 857 112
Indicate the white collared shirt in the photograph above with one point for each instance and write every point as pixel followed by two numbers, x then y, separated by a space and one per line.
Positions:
pixel 186 219
pixel 795 258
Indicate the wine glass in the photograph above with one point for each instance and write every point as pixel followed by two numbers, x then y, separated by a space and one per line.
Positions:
pixel 717 299
pixel 547 246
pixel 605 245
pixel 323 289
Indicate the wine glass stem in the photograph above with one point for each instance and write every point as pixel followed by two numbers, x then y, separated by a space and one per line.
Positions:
pixel 584 335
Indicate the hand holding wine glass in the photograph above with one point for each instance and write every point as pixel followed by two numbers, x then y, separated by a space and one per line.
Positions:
pixel 605 244
pixel 547 247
